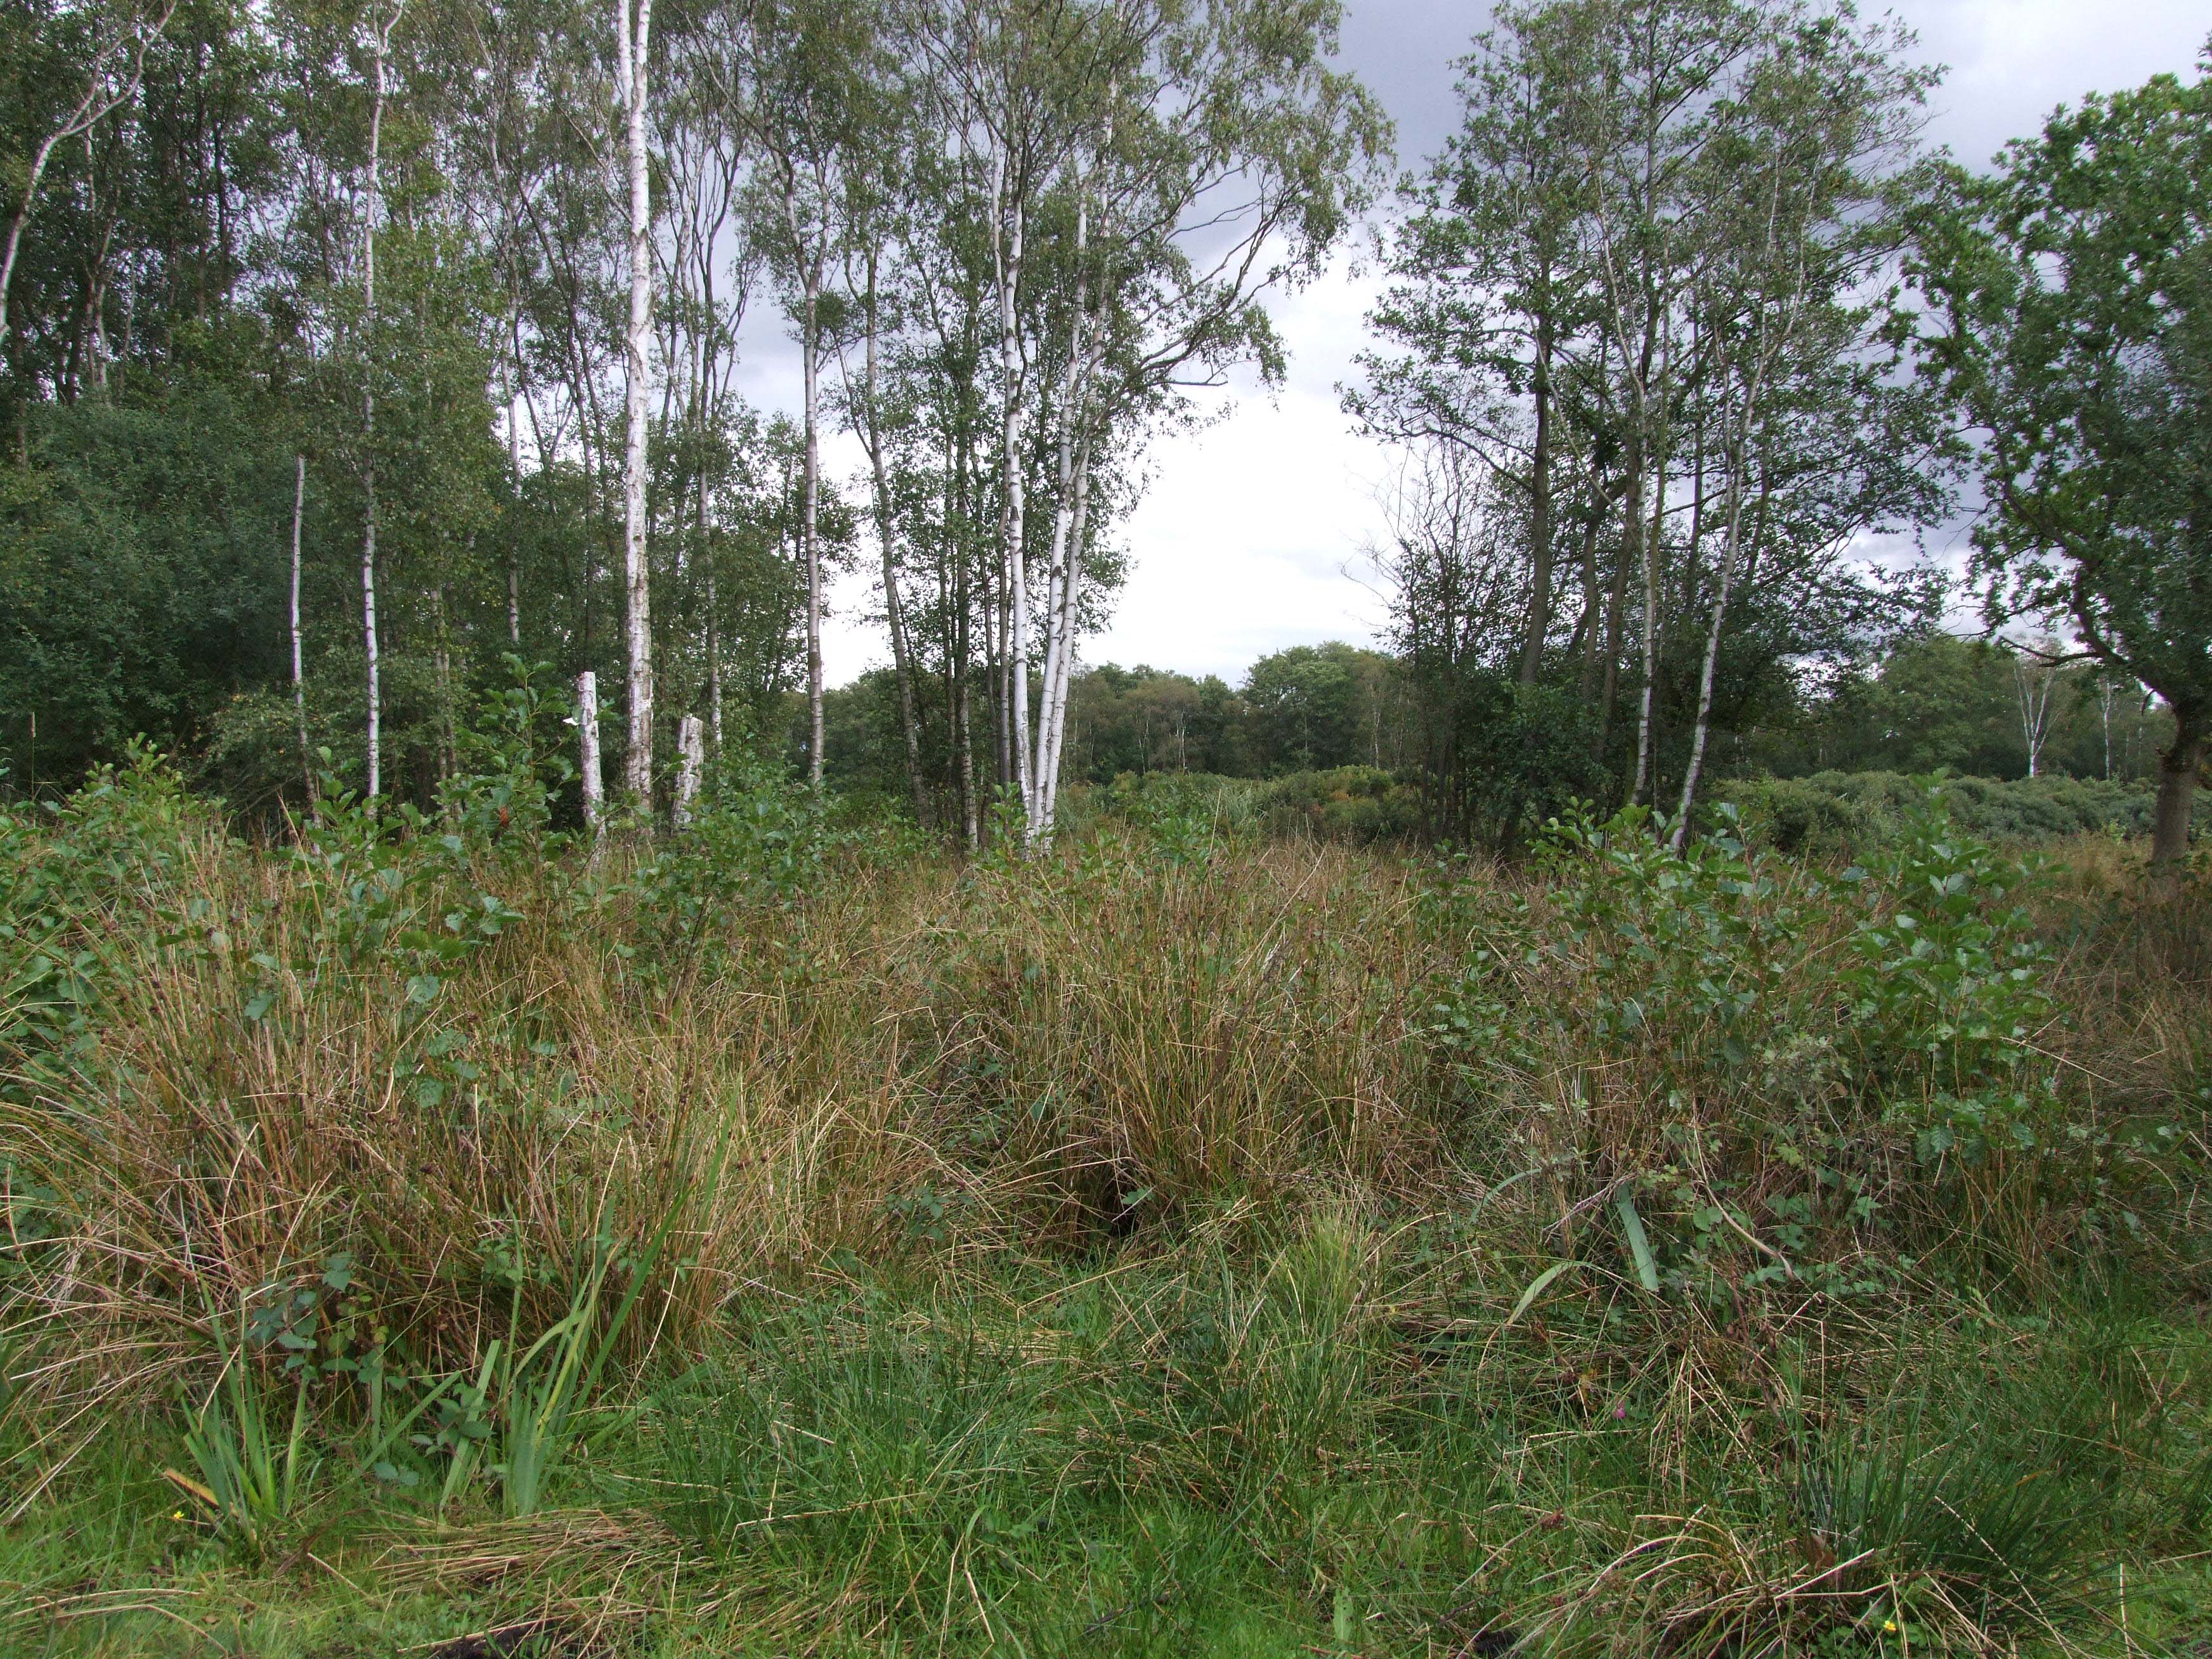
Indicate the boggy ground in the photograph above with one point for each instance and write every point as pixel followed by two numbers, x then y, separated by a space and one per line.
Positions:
pixel 784 1239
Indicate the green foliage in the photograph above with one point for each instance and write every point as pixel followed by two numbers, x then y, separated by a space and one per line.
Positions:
pixel 524 1404
pixel 1357 804
pixel 1146 719
pixel 1093 1483
pixel 758 839
pixel 513 759
pixel 1943 702
pixel 251 1478
pixel 1317 706
pixel 139 581
pixel 2070 319
pixel 1519 755
pixel 1784 1056
pixel 103 863
pixel 1183 1241
pixel 1963 1503
pixel 1844 813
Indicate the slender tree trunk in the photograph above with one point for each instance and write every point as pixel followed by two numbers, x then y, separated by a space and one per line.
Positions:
pixel 713 655
pixel 1002 669
pixel 1679 836
pixel 1654 574
pixel 964 741
pixel 40 157
pixel 971 829
pixel 2105 693
pixel 1540 508
pixel 691 766
pixel 1630 556
pixel 299 669
pixel 1064 572
pixel 513 521
pixel 1056 690
pixel 894 605
pixel 1586 630
pixel 587 751
pixel 448 744
pixel 2033 686
pixel 375 209
pixel 809 509
pixel 100 97
pixel 2177 789
pixel 634 37
pixel 1006 238
pixel 1649 553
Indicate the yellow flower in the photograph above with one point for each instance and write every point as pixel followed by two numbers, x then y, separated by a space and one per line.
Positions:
pixel 176 1515
pixel 1889 1627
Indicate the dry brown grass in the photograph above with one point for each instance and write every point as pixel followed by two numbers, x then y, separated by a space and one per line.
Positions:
pixel 1041 1061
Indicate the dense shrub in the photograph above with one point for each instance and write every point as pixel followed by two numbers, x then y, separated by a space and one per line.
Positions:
pixel 1356 804
pixel 1771 1055
pixel 1842 813
pixel 1353 805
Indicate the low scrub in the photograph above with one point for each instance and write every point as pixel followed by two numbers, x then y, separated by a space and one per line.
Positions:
pixel 1826 1067
pixel 1844 812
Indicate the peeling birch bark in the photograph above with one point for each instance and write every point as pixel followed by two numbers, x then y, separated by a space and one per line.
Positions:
pixel 633 36
pixel 375 209
pixel 587 751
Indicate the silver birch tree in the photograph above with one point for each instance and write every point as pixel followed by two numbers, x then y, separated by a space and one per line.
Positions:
pixel 299 671
pixel 382 24
pixel 632 35
pixel 587 751
pixel 117 63
pixel 1212 156
pixel 1824 118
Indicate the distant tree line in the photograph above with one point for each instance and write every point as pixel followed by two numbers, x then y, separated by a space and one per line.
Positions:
pixel 1979 708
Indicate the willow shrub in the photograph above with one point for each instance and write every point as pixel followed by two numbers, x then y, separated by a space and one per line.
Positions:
pixel 1756 1050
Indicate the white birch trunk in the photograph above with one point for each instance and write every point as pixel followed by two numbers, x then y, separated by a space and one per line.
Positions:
pixel 1679 837
pixel 691 766
pixel 1061 576
pixel 809 513
pixel 1006 235
pixel 1057 686
pixel 514 503
pixel 1647 541
pixel 713 657
pixel 2034 689
pixel 1771 338
pixel 375 780
pixel 811 468
pixel 1731 555
pixel 894 603
pixel 633 40
pixel 587 751
pixel 299 667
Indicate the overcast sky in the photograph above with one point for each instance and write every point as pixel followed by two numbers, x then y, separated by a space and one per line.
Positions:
pixel 1250 537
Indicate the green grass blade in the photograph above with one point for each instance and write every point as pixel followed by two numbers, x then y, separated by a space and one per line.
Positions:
pixel 1536 1288
pixel 1639 1244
